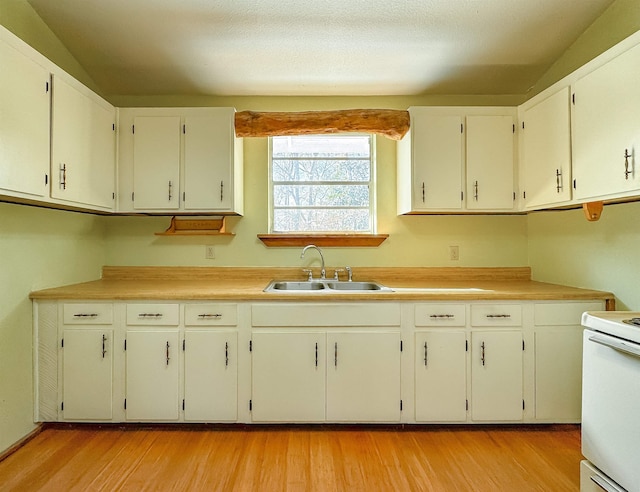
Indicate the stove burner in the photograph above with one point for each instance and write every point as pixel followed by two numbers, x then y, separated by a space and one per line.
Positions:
pixel 632 321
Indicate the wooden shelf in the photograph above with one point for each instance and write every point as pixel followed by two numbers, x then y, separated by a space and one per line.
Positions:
pixel 324 240
pixel 196 226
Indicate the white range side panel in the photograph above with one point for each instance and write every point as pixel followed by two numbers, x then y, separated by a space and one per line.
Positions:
pixel 87 374
pixel 363 377
pixel 210 375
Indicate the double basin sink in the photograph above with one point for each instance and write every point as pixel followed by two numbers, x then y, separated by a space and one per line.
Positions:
pixel 313 286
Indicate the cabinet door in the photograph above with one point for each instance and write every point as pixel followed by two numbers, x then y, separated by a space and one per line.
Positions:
pixel 606 125
pixel 87 374
pixel 83 147
pixel 288 376
pixel 208 161
pixel 547 151
pixel 437 161
pixel 24 125
pixel 210 375
pixel 156 162
pixel 441 376
pixel 152 374
pixel 490 162
pixel 363 377
pixel 496 375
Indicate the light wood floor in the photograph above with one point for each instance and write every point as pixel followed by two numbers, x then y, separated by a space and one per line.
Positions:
pixel 297 458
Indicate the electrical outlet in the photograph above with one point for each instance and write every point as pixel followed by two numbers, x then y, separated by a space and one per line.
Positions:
pixel 454 253
pixel 209 252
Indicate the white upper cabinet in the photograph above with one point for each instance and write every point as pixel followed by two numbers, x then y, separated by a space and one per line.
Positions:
pixel 179 160
pixel 449 149
pixel 430 163
pixel 606 129
pixel 490 144
pixel 546 152
pixel 83 146
pixel 24 123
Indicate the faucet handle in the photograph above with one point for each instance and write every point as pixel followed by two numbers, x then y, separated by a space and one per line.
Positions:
pixel 335 273
pixel 349 273
pixel 309 273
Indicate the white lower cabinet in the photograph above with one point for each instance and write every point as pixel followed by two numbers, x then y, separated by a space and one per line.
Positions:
pixel 288 376
pixel 152 391
pixel 496 375
pixel 363 377
pixel 87 374
pixel 210 375
pixel 441 376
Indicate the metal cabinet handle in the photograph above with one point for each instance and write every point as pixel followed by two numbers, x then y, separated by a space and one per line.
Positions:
pixel 335 354
pixel 226 354
pixel 86 315
pixel 492 316
pixel 423 192
pixel 475 191
pixel 221 190
pixel 558 180
pixel 316 354
pixel 482 354
pixel 170 190
pixel 440 316
pixel 150 315
pixel 605 484
pixel 206 316
pixel 168 358
pixel 63 176
pixel 425 354
pixel 104 349
pixel 626 164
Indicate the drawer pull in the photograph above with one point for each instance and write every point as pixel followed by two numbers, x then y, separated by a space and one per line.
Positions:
pixel 86 315
pixel 440 316
pixel 150 315
pixel 208 316
pixel 492 316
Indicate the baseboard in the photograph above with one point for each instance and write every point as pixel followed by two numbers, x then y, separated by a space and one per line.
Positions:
pixel 12 449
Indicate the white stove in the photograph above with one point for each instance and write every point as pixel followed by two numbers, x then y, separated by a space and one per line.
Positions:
pixel 611 402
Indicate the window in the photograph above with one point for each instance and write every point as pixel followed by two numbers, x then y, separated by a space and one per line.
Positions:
pixel 322 183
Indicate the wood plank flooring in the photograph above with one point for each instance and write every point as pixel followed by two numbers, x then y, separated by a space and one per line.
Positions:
pixel 297 458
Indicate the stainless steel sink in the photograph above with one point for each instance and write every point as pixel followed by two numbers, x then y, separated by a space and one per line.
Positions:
pixel 327 286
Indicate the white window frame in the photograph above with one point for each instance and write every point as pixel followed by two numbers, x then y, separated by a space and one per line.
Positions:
pixel 371 184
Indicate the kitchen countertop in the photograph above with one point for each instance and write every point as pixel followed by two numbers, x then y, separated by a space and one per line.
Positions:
pixel 247 284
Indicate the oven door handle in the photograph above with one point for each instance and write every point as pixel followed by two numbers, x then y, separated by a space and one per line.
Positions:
pixel 625 347
pixel 605 484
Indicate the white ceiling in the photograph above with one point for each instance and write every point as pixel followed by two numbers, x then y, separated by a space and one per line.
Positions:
pixel 317 47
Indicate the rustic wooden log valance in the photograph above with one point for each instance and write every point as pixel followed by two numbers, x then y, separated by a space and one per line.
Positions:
pixel 391 123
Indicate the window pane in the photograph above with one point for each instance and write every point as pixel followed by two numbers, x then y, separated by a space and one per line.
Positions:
pixel 321 220
pixel 321 146
pixel 321 170
pixel 321 195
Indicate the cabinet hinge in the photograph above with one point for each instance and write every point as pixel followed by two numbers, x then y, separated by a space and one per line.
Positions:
pixel 46 179
pixel 466 405
pixel 62 406
pixel 133 129
pixel 184 129
pixel 184 196
pixel 401 405
pixel 62 343
pixel 184 343
pixel 113 195
pixel 574 184
pixel 514 196
pixel 250 345
pixel 113 127
pixel 523 125
pixel 250 405
pixel 524 194
pixel 523 345
pixel 183 405
pixel 462 196
pixel 514 128
pixel 573 98
pixel 46 86
pixel 400 345
pixel 133 194
pixel 523 404
pixel 466 345
pixel 125 345
pixel 461 128
pixel 125 403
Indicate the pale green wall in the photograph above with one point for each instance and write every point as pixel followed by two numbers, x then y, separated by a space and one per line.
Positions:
pixel 563 246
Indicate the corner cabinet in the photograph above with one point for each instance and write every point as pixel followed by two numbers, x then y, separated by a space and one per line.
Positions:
pixel 457 160
pixel 179 160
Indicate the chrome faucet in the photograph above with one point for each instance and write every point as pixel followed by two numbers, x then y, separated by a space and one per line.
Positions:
pixel 323 273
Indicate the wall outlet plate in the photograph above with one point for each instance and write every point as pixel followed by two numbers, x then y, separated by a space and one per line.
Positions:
pixel 209 252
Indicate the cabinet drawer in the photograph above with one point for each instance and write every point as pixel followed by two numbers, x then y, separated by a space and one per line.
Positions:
pixel 440 315
pixel 211 315
pixel 496 315
pixel 335 314
pixel 563 313
pixel 153 314
pixel 87 314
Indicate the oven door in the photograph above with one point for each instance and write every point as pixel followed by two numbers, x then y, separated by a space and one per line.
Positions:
pixel 611 407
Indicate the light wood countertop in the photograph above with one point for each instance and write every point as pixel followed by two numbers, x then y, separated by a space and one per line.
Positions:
pixel 247 284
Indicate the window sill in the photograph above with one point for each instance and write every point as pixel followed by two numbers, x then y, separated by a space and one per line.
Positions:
pixel 323 240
